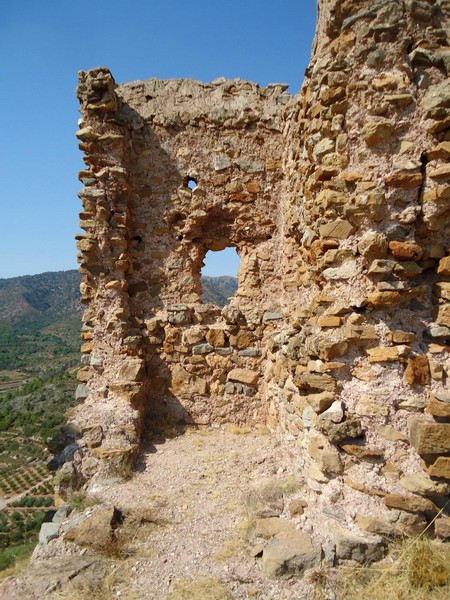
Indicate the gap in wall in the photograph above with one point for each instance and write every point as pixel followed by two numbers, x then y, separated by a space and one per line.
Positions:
pixel 219 276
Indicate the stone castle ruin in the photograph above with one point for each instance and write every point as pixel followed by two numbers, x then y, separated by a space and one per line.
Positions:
pixel 337 201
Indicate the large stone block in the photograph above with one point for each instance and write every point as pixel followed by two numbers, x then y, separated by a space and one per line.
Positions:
pixel 410 503
pixel 423 485
pixel 387 353
pixel 429 437
pixel 131 370
pixel 318 381
pixel 290 554
pixel 337 433
pixel 417 371
pixel 441 468
pixel 436 98
pixel 437 408
pixel 339 229
pixel 405 250
pixel 360 549
pixel 247 376
pixel 325 455
pixel 378 132
pixel 444 266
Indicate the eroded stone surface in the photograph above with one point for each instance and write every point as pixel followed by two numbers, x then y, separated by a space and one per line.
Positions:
pixel 336 200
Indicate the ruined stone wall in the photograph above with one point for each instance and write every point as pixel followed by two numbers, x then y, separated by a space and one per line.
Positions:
pixel 337 203
pixel 150 342
pixel 226 138
pixel 359 374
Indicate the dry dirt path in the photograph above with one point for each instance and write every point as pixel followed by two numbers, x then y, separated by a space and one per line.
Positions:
pixel 197 491
pixel 199 485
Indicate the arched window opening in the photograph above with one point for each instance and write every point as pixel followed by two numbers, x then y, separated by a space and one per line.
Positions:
pixel 191 183
pixel 219 276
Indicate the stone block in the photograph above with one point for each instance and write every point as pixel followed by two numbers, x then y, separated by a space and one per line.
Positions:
pixel 269 526
pixel 400 100
pixel 405 250
pixel 81 392
pixel 443 315
pixel 337 433
pixel 290 554
pixel 346 271
pixel 339 229
pixel 417 371
pixel 183 382
pixel 221 162
pixel 378 132
pixel 320 402
pixel 442 289
pixel 388 432
pixel 423 485
pixel 329 321
pixel 373 245
pixel 48 532
pixel 436 98
pixel 193 335
pixel 386 298
pixel 406 181
pixel 441 151
pixel 440 468
pixel 387 353
pixel 332 349
pixel 201 349
pixel 397 336
pixel 247 376
pixel 96 530
pixel 410 503
pixel 318 381
pixel 437 408
pixel 325 455
pixel 132 369
pixel 411 524
pixel 370 407
pixel 362 452
pixel 216 337
pixel 323 147
pixel 242 339
pixel 442 528
pixel 354 547
pixel 335 413
pixel 429 437
pixel 444 266
pixel 360 332
pixel 414 403
pixel 437 371
pixel 377 526
pixel 250 352
pixel 272 316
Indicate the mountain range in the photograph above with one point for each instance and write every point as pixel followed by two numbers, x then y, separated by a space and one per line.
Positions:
pixel 54 295
pixel 40 318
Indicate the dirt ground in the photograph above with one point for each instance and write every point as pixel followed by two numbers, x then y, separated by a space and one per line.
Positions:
pixel 200 493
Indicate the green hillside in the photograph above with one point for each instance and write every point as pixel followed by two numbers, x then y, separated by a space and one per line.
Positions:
pixel 40 323
pixel 46 296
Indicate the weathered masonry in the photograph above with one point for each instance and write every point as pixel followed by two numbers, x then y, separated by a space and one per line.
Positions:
pixel 337 201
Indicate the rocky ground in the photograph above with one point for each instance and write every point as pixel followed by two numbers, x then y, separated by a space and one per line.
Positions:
pixel 191 522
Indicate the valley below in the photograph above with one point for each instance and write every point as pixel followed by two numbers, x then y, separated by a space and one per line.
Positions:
pixel 40 323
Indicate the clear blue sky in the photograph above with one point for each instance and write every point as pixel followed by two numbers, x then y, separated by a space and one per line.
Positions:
pixel 44 44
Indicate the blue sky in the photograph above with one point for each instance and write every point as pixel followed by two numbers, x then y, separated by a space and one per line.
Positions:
pixel 44 44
